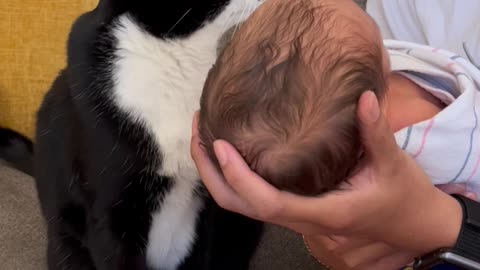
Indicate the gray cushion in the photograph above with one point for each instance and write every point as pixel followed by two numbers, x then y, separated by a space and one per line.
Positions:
pixel 22 233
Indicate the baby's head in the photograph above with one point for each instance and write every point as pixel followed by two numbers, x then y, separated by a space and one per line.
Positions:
pixel 285 92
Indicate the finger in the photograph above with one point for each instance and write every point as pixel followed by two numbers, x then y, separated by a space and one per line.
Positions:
pixel 458 189
pixel 322 242
pixel 276 206
pixel 453 188
pixel 391 262
pixel 336 244
pixel 377 136
pixel 357 253
pixel 332 213
pixel 471 195
pixel 327 247
pixel 213 179
pixel 321 249
pixel 366 254
pixel 259 194
pixel 346 244
pixel 303 228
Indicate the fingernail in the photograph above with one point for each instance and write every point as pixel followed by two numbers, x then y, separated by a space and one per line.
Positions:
pixel 374 112
pixel 220 153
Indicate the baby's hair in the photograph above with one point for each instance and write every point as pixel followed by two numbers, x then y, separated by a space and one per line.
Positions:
pixel 285 93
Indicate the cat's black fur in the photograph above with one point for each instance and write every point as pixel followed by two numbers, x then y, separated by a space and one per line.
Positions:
pixel 96 170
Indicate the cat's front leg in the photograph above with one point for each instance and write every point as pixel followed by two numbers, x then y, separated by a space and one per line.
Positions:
pixel 116 247
pixel 225 240
pixel 65 251
pixel 120 218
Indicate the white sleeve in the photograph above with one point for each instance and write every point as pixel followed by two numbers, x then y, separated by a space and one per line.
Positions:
pixel 446 24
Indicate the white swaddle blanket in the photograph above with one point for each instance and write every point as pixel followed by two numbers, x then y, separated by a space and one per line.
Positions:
pixel 446 146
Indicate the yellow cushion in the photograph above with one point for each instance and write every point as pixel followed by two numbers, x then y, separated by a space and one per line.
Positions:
pixel 33 38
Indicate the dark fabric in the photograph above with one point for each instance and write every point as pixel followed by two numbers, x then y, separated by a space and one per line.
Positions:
pixel 282 249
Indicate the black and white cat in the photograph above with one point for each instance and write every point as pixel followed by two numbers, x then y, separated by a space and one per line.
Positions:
pixel 113 170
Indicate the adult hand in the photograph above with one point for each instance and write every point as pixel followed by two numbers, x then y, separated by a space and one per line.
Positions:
pixel 342 252
pixel 390 200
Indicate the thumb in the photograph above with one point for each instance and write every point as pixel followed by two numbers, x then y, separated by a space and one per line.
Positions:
pixel 245 182
pixel 377 137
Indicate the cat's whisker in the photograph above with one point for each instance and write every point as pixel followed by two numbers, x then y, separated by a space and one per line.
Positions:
pixel 64 259
pixel 246 10
pixel 179 20
pixel 235 29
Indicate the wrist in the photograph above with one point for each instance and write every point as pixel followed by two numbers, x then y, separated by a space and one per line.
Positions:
pixel 451 219
pixel 432 223
pixel 465 252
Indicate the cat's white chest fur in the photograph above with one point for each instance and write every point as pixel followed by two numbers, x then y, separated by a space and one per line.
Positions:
pixel 159 83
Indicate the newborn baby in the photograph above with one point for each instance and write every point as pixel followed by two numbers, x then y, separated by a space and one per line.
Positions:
pixel 285 92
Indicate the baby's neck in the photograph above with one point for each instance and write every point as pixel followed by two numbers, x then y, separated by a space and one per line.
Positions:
pixel 406 103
